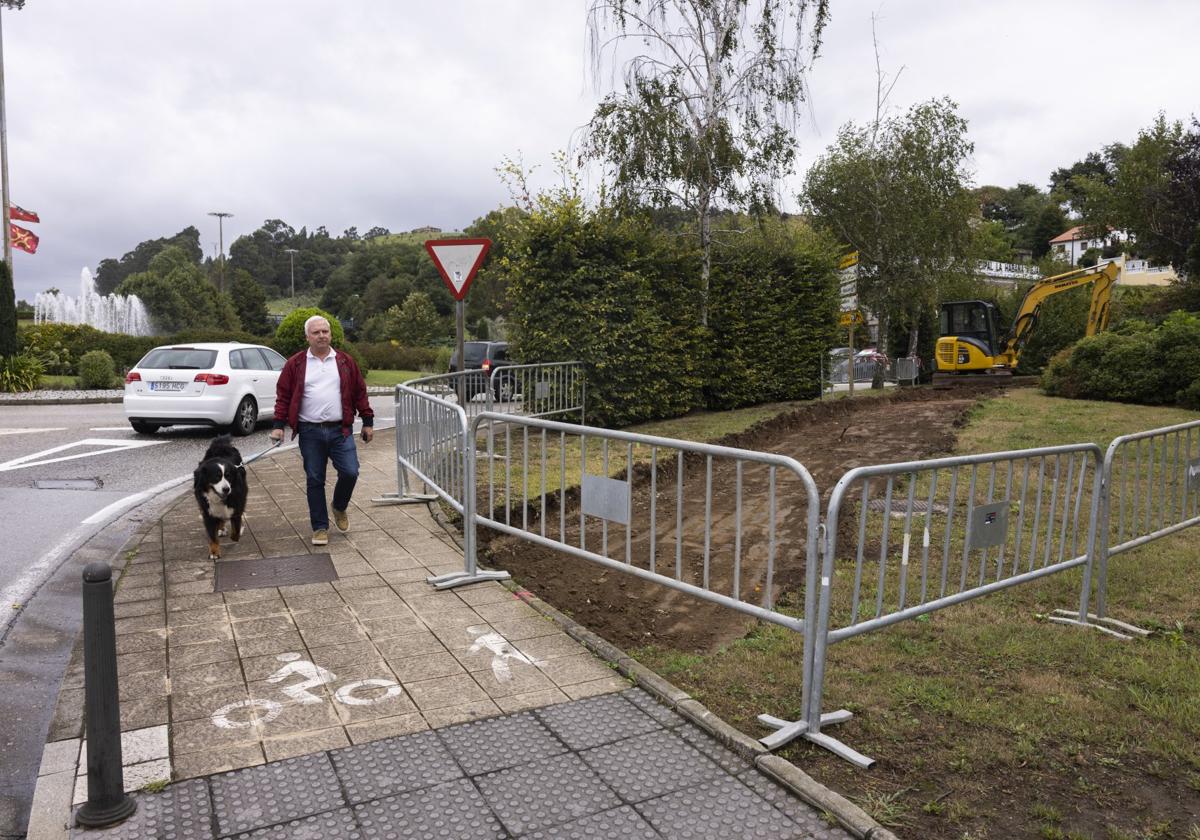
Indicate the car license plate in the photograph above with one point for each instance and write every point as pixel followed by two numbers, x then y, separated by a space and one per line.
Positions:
pixel 167 386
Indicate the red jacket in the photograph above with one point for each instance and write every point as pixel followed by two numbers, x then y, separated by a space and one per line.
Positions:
pixel 290 391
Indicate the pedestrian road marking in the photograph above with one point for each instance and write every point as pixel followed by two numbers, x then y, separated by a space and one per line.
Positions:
pixel 38 459
pixel 29 431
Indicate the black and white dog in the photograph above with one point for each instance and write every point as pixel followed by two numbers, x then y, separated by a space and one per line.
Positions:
pixel 219 483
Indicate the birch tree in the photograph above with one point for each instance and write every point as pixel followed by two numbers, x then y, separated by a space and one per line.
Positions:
pixel 709 95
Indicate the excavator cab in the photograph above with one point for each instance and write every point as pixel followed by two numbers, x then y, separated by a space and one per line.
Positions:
pixel 968 339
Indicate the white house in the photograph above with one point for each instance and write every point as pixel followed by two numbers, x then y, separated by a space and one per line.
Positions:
pixel 1070 245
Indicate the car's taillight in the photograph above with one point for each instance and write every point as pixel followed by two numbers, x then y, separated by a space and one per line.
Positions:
pixel 133 376
pixel 212 378
pixel 487 365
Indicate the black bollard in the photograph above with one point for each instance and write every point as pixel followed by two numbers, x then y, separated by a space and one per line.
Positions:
pixel 107 802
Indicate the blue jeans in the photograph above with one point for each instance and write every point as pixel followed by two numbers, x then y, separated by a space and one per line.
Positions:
pixel 319 445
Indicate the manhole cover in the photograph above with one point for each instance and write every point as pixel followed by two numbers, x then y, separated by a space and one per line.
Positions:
pixel 266 572
pixel 68 484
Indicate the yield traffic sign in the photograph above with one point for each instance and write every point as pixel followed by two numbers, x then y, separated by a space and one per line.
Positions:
pixel 457 260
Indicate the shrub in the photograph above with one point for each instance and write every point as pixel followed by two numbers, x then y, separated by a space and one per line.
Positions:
pixel 1151 367
pixel 441 362
pixel 388 355
pixel 96 370
pixel 22 372
pixel 289 337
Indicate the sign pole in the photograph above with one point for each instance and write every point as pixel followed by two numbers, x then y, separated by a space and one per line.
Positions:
pixel 460 307
pixel 850 363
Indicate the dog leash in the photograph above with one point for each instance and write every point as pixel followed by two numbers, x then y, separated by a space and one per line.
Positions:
pixel 258 455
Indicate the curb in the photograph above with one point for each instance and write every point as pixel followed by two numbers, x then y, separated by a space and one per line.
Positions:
pixel 851 817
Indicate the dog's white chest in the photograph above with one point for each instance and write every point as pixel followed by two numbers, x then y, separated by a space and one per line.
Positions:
pixel 217 508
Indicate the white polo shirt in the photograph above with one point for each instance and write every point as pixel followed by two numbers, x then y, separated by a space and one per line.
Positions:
pixel 322 401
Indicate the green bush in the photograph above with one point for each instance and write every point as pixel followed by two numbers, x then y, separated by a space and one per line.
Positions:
pixel 441 362
pixel 387 355
pixel 96 370
pixel 22 372
pixel 289 337
pixel 1147 366
pixel 772 310
pixel 614 293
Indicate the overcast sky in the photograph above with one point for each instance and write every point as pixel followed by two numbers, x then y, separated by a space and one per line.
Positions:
pixel 132 120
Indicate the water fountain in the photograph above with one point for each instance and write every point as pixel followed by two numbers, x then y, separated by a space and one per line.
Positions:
pixel 111 313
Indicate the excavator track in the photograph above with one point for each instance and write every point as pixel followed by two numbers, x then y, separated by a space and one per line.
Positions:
pixel 998 379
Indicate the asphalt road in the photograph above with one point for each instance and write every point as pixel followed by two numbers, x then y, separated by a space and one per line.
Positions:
pixel 72 478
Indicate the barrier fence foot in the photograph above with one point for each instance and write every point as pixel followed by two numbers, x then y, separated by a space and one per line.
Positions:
pixel 1112 626
pixel 454 579
pixel 410 499
pixel 790 730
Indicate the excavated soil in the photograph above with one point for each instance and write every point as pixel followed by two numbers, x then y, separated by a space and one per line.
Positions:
pixel 827 438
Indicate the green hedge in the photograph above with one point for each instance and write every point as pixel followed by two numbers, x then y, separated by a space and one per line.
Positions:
pixel 623 296
pixel 384 355
pixel 1139 364
pixel 772 311
pixel 615 294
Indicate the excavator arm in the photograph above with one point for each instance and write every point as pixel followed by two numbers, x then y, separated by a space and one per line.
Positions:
pixel 1103 278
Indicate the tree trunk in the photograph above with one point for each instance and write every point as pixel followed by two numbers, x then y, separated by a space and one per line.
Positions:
pixel 705 258
pixel 882 347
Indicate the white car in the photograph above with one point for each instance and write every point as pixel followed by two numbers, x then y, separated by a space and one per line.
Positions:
pixel 211 384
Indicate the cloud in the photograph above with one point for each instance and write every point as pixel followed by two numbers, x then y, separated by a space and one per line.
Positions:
pixel 131 120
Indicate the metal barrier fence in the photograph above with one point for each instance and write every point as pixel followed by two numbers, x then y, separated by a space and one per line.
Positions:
pixel 536 390
pixel 948 530
pixel 736 547
pixel 432 441
pixel 1152 480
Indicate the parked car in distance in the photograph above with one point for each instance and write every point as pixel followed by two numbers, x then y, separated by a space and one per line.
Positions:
pixel 484 356
pixel 210 384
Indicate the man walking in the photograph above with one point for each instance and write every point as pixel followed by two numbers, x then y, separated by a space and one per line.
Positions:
pixel 318 392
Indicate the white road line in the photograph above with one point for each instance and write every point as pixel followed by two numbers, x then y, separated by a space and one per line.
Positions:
pixel 110 429
pixel 29 431
pixel 110 446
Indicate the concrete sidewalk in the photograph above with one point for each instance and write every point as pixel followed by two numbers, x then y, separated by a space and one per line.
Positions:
pixel 373 705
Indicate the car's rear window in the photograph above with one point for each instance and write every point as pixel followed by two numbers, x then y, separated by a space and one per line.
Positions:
pixel 474 351
pixel 179 358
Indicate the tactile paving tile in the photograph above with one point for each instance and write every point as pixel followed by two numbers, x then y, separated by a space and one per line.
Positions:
pixel 647 766
pixel 487 745
pixel 275 793
pixel 641 699
pixel 333 825
pixel 180 811
pixel 596 721
pixel 800 811
pixel 718 810
pixel 618 824
pixel 545 793
pixel 711 747
pixel 450 811
pixel 394 765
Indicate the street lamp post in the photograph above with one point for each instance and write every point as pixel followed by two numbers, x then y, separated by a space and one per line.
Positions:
pixel 291 252
pixel 221 217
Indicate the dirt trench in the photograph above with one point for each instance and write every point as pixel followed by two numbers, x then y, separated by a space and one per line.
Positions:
pixel 827 438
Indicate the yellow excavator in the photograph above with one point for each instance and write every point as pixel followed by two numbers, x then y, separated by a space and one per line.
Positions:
pixel 970 345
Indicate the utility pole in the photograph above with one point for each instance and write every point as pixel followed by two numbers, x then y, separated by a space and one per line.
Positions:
pixel 291 252
pixel 221 217
pixel 4 161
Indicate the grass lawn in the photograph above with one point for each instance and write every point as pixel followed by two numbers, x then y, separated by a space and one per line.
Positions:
pixel 284 305
pixel 392 377
pixel 986 720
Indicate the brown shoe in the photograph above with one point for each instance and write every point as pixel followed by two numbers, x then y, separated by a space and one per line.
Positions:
pixel 320 537
pixel 341 520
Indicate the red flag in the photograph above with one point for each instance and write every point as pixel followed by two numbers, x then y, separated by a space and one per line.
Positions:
pixel 24 239
pixel 20 214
